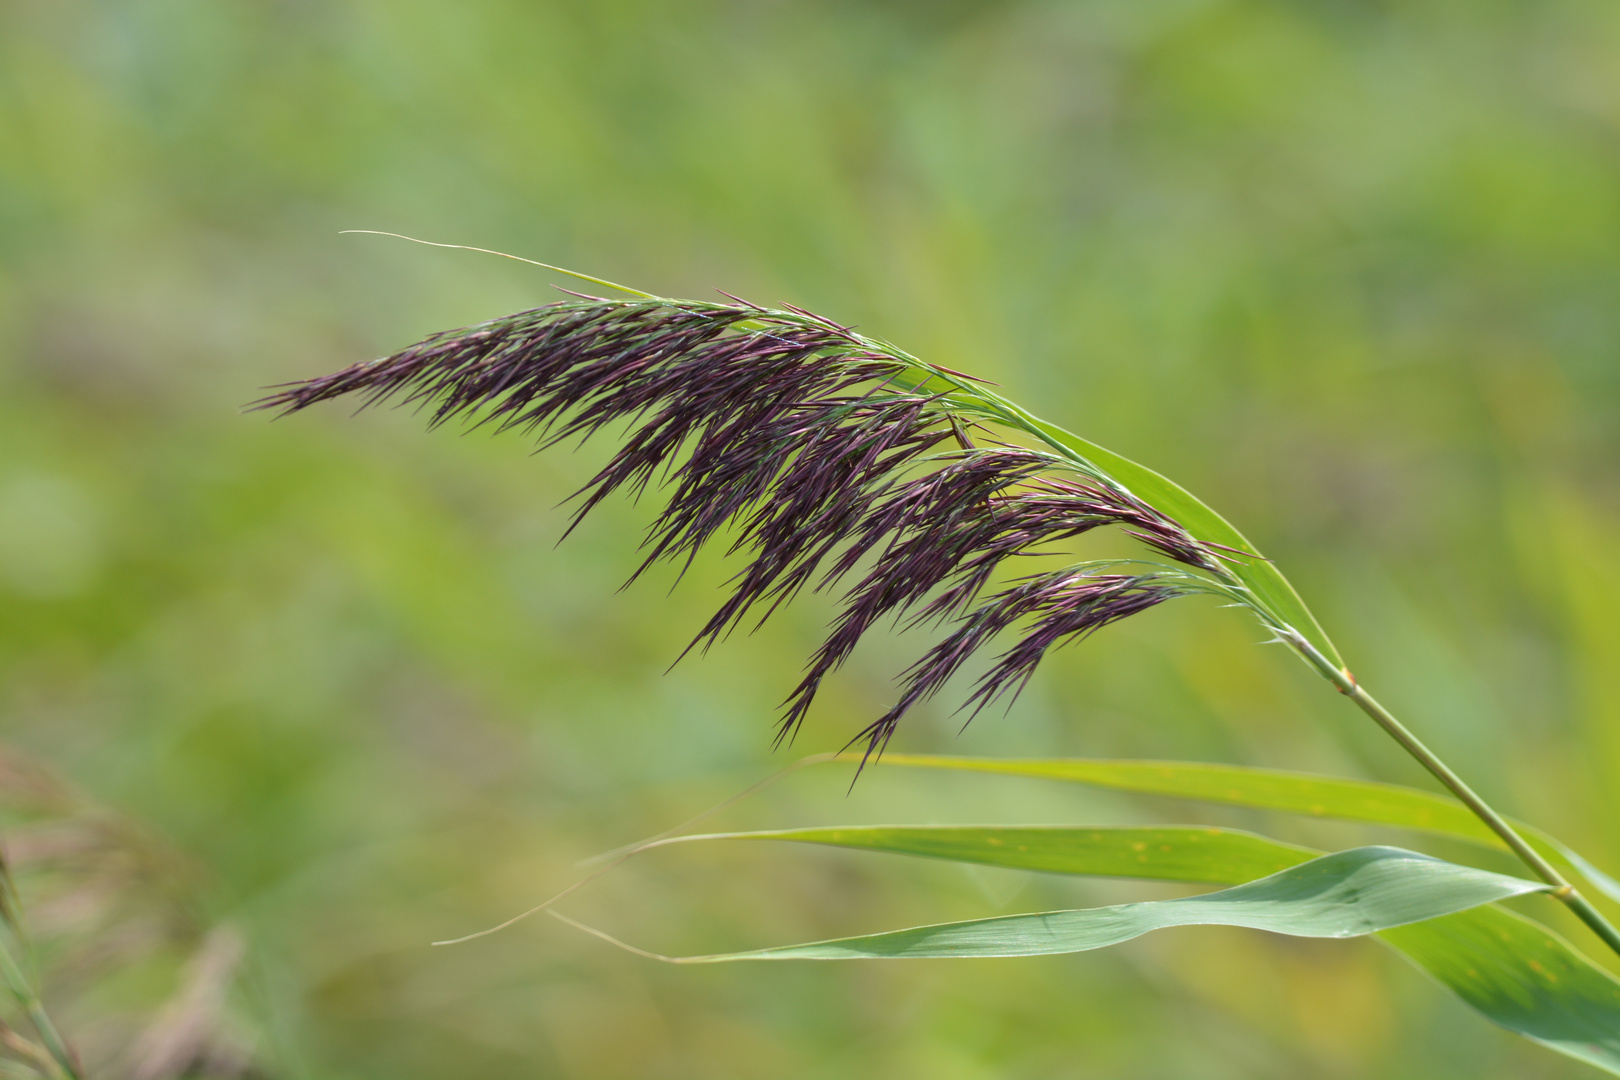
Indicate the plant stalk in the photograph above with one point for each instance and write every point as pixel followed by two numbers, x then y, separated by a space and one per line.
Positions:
pixel 34 1008
pixel 1562 890
pixel 22 987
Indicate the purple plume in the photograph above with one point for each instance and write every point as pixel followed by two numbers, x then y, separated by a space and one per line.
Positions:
pixel 830 457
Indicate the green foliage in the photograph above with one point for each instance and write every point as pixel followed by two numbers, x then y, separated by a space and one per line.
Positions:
pixel 1512 970
pixel 1523 977
pixel 1347 271
pixel 1164 853
pixel 1238 785
pixel 1346 894
pixel 1276 789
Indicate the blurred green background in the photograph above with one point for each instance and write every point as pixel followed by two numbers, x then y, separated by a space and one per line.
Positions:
pixel 1347 269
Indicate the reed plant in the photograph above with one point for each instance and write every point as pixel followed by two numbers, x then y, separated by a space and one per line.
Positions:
pixel 835 462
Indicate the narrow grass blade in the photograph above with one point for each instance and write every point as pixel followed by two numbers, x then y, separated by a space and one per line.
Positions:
pixel 1236 785
pixel 1346 894
pixel 1513 971
pixel 1275 789
pixel 1162 853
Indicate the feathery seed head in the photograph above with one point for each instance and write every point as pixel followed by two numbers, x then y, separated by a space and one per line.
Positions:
pixel 825 452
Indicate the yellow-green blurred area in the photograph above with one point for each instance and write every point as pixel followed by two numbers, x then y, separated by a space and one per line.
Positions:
pixel 1348 270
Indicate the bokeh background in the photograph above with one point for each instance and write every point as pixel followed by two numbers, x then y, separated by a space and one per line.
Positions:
pixel 1348 269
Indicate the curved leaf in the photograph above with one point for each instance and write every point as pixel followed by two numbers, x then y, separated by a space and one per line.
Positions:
pixel 1515 972
pixel 1346 894
pixel 1522 977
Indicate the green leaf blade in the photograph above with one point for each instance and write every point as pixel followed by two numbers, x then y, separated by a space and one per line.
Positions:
pixel 1163 853
pixel 1237 785
pixel 1523 977
pixel 1513 971
pixel 1346 894
pixel 1307 794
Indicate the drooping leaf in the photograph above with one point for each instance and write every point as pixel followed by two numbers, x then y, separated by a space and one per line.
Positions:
pixel 1346 894
pixel 1515 972
pixel 1523 977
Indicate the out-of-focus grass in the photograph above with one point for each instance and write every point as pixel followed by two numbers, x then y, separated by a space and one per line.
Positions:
pixel 1350 271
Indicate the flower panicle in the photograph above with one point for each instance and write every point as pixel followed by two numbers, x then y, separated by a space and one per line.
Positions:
pixel 828 457
pixel 1063 606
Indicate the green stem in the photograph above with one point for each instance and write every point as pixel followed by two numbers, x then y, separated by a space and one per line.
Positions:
pixel 1562 889
pixel 22 989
